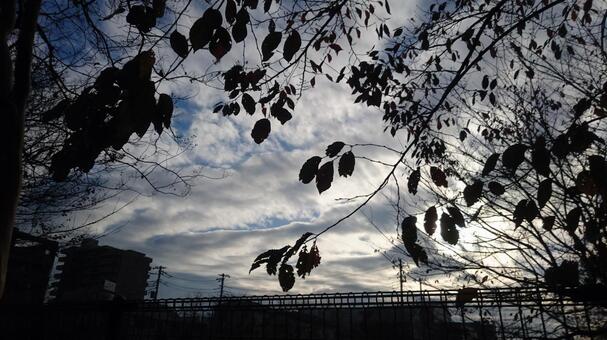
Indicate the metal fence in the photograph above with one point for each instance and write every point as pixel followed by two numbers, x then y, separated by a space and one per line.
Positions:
pixel 519 313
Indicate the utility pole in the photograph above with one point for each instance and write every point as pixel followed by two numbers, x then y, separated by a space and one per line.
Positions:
pixel 221 279
pixel 400 274
pixel 160 268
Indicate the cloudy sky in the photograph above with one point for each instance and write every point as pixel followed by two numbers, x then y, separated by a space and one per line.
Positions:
pixel 257 202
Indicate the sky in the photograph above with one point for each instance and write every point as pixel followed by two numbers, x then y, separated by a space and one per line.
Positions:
pixel 249 198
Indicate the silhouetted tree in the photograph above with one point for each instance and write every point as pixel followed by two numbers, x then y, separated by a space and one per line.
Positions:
pixel 50 208
pixel 505 100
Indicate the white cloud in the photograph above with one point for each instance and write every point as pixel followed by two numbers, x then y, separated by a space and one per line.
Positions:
pixel 223 224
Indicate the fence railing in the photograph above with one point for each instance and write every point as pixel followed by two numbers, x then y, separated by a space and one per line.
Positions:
pixel 512 313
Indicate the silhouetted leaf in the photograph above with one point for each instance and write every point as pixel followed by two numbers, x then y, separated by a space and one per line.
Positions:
pixel 458 218
pixel 567 274
pixel 267 4
pixel 464 296
pixel 585 183
pixel 292 45
pixel 200 34
pixel 239 30
pixel 165 109
pixel 324 177
pixel 560 147
pixel 269 44
pixel 286 277
pixel 252 4
pixel 544 191
pixel 540 157
pixel 430 220
pixel 270 258
pixel 213 18
pixel 261 130
pixel 409 230
pixel 413 181
pixel 221 43
pixel 496 188
pixel 598 169
pixel 309 169
pixel 438 177
pixel 531 211
pixel 159 6
pixel 514 156
pixel 417 253
pixel 302 239
pixel 57 111
pixel 283 115
pixel 572 220
pixel 490 164
pixel 473 192
pixel 179 44
pixel 142 17
pixel 476 214
pixel 447 229
pixel 217 107
pixel 548 222
pixel 230 12
pixel 462 135
pixel 581 138
pixel 519 212
pixel 307 260
pixel 248 103
pixel 334 148
pixel 346 164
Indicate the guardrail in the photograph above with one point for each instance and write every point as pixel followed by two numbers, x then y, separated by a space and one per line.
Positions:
pixel 506 313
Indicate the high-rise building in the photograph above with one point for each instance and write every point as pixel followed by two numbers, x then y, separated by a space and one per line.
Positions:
pixel 29 267
pixel 94 272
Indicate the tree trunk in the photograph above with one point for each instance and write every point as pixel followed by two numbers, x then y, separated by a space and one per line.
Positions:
pixel 14 90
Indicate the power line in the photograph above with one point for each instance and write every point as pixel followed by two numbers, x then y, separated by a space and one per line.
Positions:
pixel 186 279
pixel 174 285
